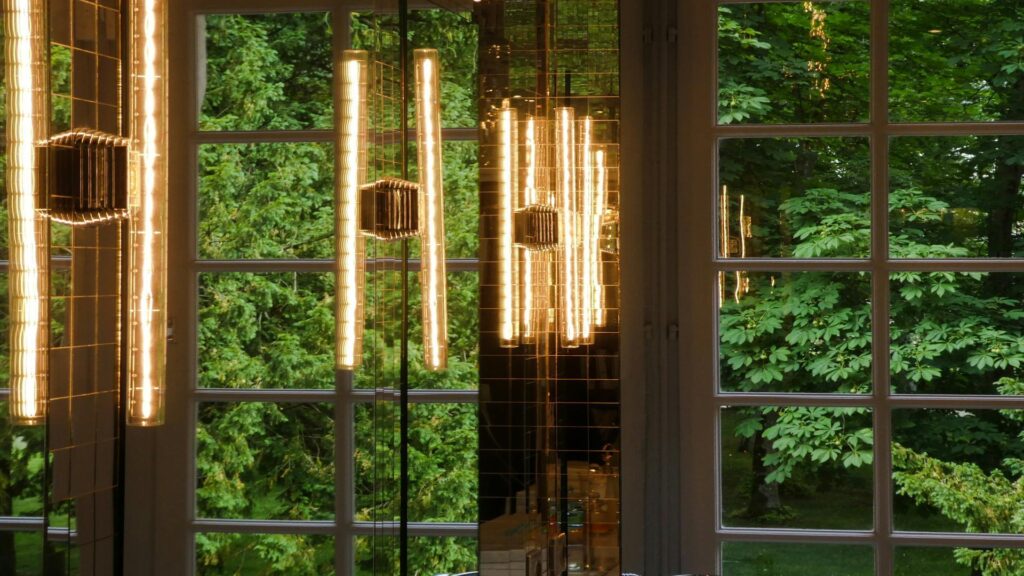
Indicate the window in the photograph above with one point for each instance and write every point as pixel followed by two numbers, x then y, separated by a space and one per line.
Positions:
pixel 854 345
pixel 293 471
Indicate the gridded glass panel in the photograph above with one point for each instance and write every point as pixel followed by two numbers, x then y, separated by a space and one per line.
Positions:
pixel 463 335
pixel 957 333
pixel 795 332
pixel 958 470
pixel 953 60
pixel 21 553
pixel 794 198
pixel 956 197
pixel 958 561
pixel 427 556
pixel 265 461
pixel 21 467
pixel 797 467
pixel 793 62
pixel 266 330
pixel 266 72
pixel 771 559
pixel 443 462
pixel 461 202
pixel 263 554
pixel 272 200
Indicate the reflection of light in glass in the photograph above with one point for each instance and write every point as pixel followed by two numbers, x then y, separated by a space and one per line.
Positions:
pixel 723 239
pixel 149 198
pixel 507 190
pixel 586 235
pixel 26 52
pixel 527 287
pixel 565 142
pixel 432 274
pixel 350 242
pixel 601 206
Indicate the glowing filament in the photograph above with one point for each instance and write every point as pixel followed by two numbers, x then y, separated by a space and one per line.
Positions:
pixel 565 143
pixel 350 246
pixel 723 239
pixel 25 49
pixel 588 249
pixel 507 189
pixel 530 197
pixel 149 200
pixel 432 274
pixel 601 196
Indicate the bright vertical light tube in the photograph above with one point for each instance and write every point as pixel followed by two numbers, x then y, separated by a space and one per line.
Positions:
pixel 601 206
pixel 432 268
pixel 508 190
pixel 149 215
pixel 527 312
pixel 565 167
pixel 350 244
pixel 588 252
pixel 25 51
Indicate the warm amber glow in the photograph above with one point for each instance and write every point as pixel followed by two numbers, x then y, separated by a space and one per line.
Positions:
pixel 565 166
pixel 527 287
pixel 723 239
pixel 588 246
pixel 601 206
pixel 432 274
pixel 149 214
pixel 25 52
pixel 350 242
pixel 508 145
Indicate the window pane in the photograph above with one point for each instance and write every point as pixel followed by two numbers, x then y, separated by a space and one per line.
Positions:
pixel 266 201
pixel 21 466
pixel 427 556
pixel 461 200
pixel 793 62
pixel 957 333
pixel 21 553
pixel 797 467
pixel 263 554
pixel 266 330
pixel 266 71
pixel 956 197
pixel 958 470
pixel 795 332
pixel 443 462
pixel 794 198
pixel 764 559
pixel 971 52
pixel 463 334
pixel 265 461
pixel 958 561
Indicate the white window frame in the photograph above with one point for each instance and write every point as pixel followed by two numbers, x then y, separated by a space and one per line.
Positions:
pixel 693 399
pixel 162 523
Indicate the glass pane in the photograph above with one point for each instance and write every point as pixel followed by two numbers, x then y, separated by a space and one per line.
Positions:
pixel 428 556
pixel 797 467
pixel 795 332
pixel 958 561
pixel 263 554
pixel 958 470
pixel 956 197
pixel 794 198
pixel 266 72
pixel 265 461
pixel 793 62
pixel 266 330
pixel 21 553
pixel 21 466
pixel 765 559
pixel 443 463
pixel 461 200
pixel 266 201
pixel 376 462
pixel 463 335
pixel 971 52
pixel 957 333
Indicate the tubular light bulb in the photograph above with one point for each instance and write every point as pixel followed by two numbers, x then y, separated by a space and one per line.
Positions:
pixel 588 252
pixel 723 239
pixel 530 197
pixel 565 144
pixel 601 195
pixel 432 269
pixel 149 215
pixel 350 245
pixel 26 54
pixel 508 190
